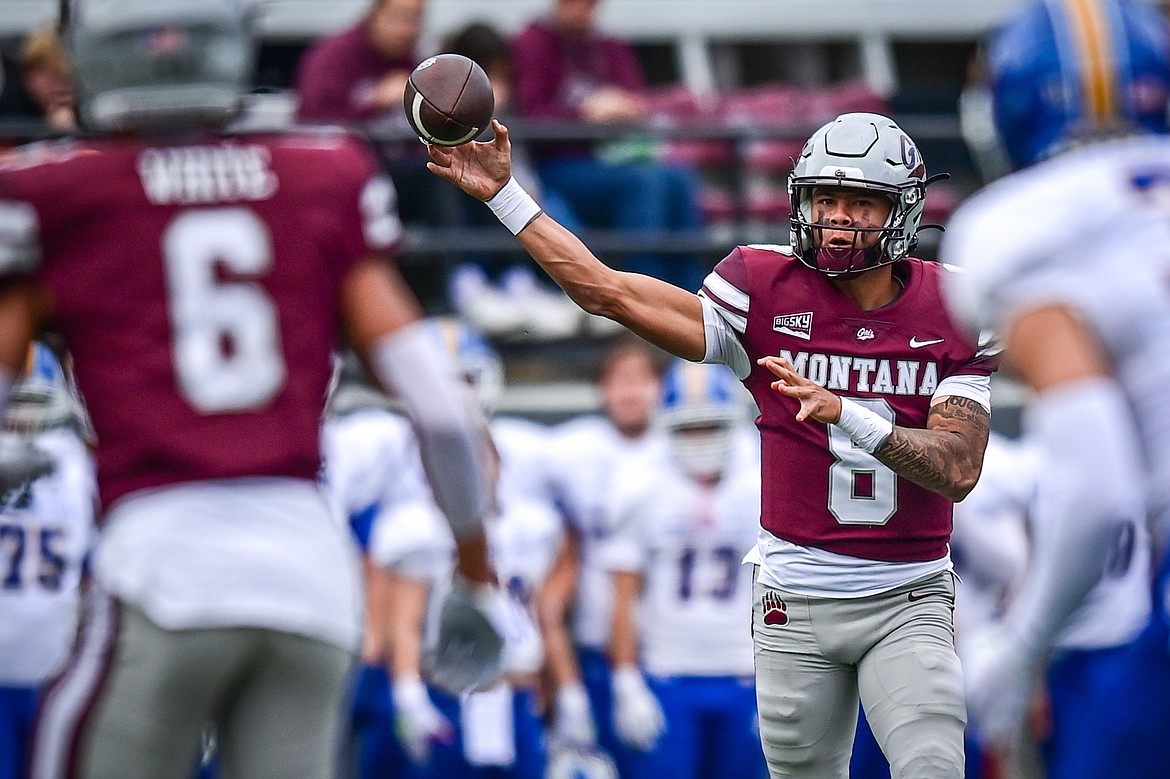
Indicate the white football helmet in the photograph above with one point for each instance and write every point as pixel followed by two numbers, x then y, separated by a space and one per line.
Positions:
pixel 702 404
pixel 158 65
pixel 861 151
pixel 476 358
pixel 43 396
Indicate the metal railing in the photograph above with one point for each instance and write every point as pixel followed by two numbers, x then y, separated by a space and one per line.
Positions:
pixel 430 244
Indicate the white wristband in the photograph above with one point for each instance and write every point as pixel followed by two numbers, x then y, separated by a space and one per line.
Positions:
pixel 514 207
pixel 867 429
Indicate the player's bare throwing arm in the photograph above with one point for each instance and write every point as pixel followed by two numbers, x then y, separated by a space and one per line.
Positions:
pixel 874 418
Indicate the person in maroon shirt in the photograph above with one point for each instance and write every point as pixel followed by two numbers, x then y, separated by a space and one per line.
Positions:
pixel 875 410
pixel 567 69
pixel 46 76
pixel 201 282
pixel 360 73
pixel 356 78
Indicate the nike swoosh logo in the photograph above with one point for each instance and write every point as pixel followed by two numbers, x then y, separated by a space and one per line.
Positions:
pixel 916 344
pixel 914 597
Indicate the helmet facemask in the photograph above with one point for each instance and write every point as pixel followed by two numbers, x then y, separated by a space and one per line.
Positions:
pixel 702 448
pixel 43 397
pixel 865 152
pixel 702 407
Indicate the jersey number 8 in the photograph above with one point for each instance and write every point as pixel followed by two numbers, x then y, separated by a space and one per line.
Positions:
pixel 862 491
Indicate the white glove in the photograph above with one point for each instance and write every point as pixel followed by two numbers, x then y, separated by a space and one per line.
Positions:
pixel 999 675
pixel 468 654
pixel 573 717
pixel 637 715
pixel 21 462
pixel 416 720
pixel 523 648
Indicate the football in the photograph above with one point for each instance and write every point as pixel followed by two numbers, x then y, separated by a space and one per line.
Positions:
pixel 448 100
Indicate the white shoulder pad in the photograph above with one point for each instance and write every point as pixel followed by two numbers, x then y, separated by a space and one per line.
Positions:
pixel 410 531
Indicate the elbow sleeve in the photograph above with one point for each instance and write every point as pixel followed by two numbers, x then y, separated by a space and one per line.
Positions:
pixel 451 429
pixel 1091 487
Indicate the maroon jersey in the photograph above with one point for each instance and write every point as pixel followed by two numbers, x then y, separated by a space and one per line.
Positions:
pixel 196 287
pixel 819 489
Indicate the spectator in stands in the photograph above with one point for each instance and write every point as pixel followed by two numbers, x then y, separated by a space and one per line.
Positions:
pixel 567 69
pixel 358 76
pixel 524 300
pixel 48 78
pixel 42 89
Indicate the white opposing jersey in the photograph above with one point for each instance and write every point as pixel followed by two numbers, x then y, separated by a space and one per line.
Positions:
pixel 524 540
pixel 45 533
pixel 371 457
pixel 523 447
pixel 990 547
pixel 412 538
pixel 585 457
pixel 687 540
pixel 1089 229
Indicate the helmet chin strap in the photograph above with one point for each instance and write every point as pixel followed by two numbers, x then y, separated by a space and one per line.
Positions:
pixel 842 262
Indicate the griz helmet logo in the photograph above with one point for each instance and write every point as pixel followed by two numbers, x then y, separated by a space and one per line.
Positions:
pixel 911 159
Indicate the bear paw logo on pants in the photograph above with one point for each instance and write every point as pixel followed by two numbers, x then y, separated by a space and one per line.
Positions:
pixel 774 608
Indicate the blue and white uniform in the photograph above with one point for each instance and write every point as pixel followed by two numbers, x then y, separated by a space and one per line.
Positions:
pixel 587 454
pixel 683 524
pixel 1101 252
pixel 45 534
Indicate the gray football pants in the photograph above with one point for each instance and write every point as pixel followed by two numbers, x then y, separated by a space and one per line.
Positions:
pixel 896 650
pixel 276 701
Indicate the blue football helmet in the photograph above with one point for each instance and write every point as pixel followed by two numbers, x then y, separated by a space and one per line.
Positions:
pixel 702 405
pixel 158 65
pixel 477 360
pixel 1063 72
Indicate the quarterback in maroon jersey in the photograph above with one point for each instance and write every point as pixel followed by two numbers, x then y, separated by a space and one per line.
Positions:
pixel 201 281
pixel 874 415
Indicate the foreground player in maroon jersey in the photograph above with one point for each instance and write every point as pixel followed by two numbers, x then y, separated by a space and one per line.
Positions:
pixel 875 411
pixel 200 281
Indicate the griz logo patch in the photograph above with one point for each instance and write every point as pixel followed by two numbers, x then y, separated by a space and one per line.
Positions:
pixel 774 608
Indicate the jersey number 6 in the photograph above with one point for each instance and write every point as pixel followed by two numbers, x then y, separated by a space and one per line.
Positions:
pixel 226 333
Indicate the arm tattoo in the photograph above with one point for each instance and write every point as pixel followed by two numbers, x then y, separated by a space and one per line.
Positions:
pixel 947 455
